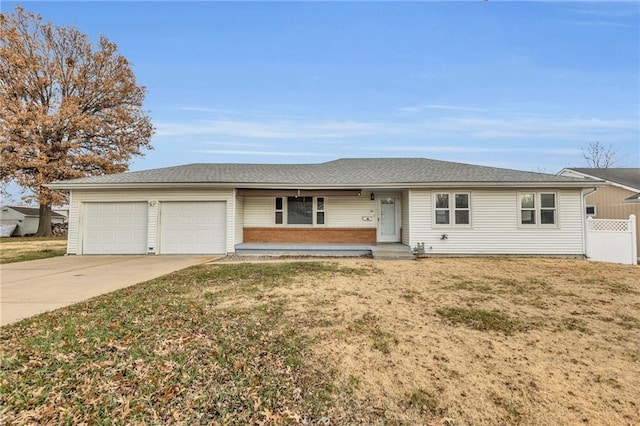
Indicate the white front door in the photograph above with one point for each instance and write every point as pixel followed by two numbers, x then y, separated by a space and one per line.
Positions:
pixel 388 215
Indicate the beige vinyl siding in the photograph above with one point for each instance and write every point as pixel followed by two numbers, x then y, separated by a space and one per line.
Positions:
pixel 239 224
pixel 78 197
pixel 609 202
pixel 495 228
pixel 340 212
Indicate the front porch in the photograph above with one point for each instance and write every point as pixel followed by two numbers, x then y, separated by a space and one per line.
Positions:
pixel 392 251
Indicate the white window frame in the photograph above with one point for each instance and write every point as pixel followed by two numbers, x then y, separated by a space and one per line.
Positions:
pixel 452 209
pixel 285 213
pixel 537 210
pixel 595 210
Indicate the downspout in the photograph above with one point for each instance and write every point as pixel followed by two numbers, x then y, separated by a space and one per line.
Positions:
pixel 584 219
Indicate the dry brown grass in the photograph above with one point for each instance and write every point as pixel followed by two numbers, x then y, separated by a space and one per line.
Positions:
pixel 19 249
pixel 432 342
pixel 476 340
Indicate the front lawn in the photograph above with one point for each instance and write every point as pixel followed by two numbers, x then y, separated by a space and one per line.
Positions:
pixel 435 341
pixel 20 249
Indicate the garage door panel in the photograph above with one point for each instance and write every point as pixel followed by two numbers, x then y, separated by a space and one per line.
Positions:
pixel 193 227
pixel 115 228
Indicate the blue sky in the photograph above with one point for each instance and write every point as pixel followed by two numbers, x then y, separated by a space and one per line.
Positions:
pixel 521 85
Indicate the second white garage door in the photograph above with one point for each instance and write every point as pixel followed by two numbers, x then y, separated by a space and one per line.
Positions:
pixel 197 227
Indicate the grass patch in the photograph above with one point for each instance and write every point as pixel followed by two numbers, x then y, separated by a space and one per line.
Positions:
pixel 423 401
pixel 21 249
pixel 620 288
pixel 628 322
pixel 336 342
pixel 33 255
pixel 410 295
pixel 142 355
pixel 573 324
pixel 368 325
pixel 481 319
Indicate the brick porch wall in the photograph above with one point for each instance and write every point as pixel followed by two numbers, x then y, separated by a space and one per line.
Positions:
pixel 310 235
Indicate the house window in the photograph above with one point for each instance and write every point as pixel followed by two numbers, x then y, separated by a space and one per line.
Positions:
pixel 528 208
pixel 462 209
pixel 299 211
pixel 279 211
pixel 548 209
pixel 591 211
pixel 442 209
pixel 320 211
pixel 452 208
pixel 538 208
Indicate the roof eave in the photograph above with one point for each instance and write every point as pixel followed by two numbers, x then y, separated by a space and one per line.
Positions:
pixel 606 181
pixel 267 185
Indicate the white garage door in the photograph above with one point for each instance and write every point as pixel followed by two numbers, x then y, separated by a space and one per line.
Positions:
pixel 115 228
pixel 193 227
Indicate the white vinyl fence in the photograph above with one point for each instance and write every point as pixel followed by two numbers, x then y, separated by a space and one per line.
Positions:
pixel 612 240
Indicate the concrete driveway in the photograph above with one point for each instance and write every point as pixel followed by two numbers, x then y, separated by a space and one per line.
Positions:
pixel 33 287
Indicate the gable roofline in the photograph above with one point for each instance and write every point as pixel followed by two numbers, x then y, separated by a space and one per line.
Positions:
pixel 341 173
pixel 31 211
pixel 592 173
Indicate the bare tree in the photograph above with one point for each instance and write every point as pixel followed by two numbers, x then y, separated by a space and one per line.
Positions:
pixel 599 156
pixel 67 109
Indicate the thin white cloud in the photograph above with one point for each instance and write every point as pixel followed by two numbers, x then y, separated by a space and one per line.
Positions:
pixel 273 129
pixel 418 108
pixel 632 9
pixel 236 144
pixel 601 24
pixel 478 150
pixel 468 127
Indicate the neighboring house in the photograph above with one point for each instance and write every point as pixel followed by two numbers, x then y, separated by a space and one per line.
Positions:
pixel 62 212
pixel 26 219
pixel 618 199
pixel 450 208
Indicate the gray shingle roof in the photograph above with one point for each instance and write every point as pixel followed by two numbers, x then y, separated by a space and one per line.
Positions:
pixel 628 176
pixel 347 171
pixel 31 211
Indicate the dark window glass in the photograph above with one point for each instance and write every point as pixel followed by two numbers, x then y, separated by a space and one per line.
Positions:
pixel 320 218
pixel 279 203
pixel 442 201
pixel 547 217
pixel 320 201
pixel 300 211
pixel 462 201
pixel 442 217
pixel 548 201
pixel 278 218
pixel 462 217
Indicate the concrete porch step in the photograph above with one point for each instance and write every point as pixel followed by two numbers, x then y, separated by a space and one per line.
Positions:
pixel 392 252
pixel 297 249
